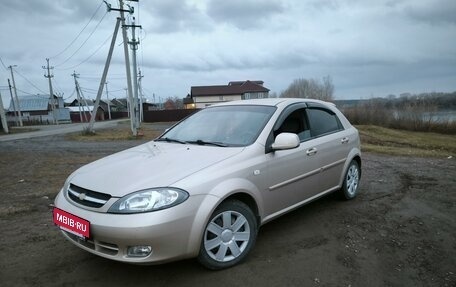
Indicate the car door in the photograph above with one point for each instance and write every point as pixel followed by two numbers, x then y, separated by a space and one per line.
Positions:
pixel 292 174
pixel 331 143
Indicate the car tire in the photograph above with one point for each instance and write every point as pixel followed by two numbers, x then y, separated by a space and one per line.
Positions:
pixel 229 235
pixel 351 181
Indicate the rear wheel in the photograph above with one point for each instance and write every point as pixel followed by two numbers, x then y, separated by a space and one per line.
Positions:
pixel 229 235
pixel 351 181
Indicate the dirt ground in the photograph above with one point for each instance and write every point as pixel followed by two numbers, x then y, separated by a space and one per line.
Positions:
pixel 399 231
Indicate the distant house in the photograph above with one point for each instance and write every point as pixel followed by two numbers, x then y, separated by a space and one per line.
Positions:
pixel 119 105
pixel 203 96
pixel 104 104
pixel 122 105
pixel 84 113
pixel 84 102
pixel 37 109
pixel 149 106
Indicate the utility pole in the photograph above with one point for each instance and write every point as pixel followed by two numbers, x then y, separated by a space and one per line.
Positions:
pixel 141 99
pixel 127 101
pixel 107 98
pixel 78 96
pixel 127 67
pixel 16 118
pixel 15 94
pixel 122 11
pixel 134 46
pixel 3 116
pixel 127 60
pixel 103 77
pixel 52 100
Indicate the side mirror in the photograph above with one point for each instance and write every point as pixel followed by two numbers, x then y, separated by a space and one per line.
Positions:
pixel 286 141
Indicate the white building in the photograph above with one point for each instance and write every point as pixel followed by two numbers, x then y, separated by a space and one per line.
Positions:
pixel 203 96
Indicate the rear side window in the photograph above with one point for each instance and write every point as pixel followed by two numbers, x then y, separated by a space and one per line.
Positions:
pixel 322 121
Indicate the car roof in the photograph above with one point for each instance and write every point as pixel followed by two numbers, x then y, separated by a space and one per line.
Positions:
pixel 273 102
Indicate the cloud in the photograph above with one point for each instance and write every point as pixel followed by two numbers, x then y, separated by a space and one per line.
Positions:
pixel 244 14
pixel 170 16
pixel 378 46
pixel 42 11
pixel 432 12
pixel 323 5
pixel 219 61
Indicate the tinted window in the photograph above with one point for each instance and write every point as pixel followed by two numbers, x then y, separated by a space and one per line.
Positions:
pixel 295 123
pixel 322 121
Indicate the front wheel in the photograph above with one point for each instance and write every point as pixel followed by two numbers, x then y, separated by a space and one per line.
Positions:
pixel 229 235
pixel 351 181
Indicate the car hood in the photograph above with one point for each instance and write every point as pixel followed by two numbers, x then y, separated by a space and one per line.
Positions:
pixel 154 164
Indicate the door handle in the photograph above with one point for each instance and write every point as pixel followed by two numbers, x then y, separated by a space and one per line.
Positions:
pixel 344 140
pixel 311 151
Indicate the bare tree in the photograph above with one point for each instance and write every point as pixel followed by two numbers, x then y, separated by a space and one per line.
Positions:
pixel 310 88
pixel 173 103
pixel 273 95
pixel 328 89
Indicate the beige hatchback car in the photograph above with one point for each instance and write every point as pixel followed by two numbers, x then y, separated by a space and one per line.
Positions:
pixel 204 187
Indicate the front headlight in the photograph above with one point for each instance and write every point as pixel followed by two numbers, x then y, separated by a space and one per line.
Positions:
pixel 149 200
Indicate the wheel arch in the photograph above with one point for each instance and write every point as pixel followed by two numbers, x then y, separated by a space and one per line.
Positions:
pixel 248 200
pixel 238 189
pixel 356 156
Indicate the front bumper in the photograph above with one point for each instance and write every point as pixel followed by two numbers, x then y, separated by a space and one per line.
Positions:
pixel 172 233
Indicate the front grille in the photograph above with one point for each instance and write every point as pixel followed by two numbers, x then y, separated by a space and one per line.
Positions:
pixel 103 247
pixel 87 197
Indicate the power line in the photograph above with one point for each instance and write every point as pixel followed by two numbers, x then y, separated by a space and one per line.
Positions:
pixel 57 86
pixel 22 76
pixel 113 91
pixel 70 95
pixel 98 78
pixel 89 89
pixel 90 35
pixel 115 84
pixel 79 34
pixel 30 94
pixel 3 64
pixel 140 34
pixel 91 55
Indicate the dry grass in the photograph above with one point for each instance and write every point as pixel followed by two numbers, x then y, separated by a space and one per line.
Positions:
pixel 411 118
pixel 121 132
pixel 18 130
pixel 399 142
pixel 373 139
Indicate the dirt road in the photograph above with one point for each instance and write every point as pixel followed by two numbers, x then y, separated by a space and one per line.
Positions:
pixel 400 231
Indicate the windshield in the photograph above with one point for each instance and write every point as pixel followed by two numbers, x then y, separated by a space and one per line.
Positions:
pixel 221 126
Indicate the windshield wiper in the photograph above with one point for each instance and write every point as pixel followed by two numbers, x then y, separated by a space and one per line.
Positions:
pixel 165 139
pixel 201 142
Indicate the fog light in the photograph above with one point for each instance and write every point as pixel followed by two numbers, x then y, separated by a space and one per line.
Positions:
pixel 139 251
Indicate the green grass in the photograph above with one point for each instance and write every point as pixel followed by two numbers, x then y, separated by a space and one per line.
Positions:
pixel 407 143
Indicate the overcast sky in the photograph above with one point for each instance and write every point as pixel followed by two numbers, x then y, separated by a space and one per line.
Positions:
pixel 369 48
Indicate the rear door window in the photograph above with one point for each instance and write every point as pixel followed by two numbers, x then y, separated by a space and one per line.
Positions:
pixel 322 121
